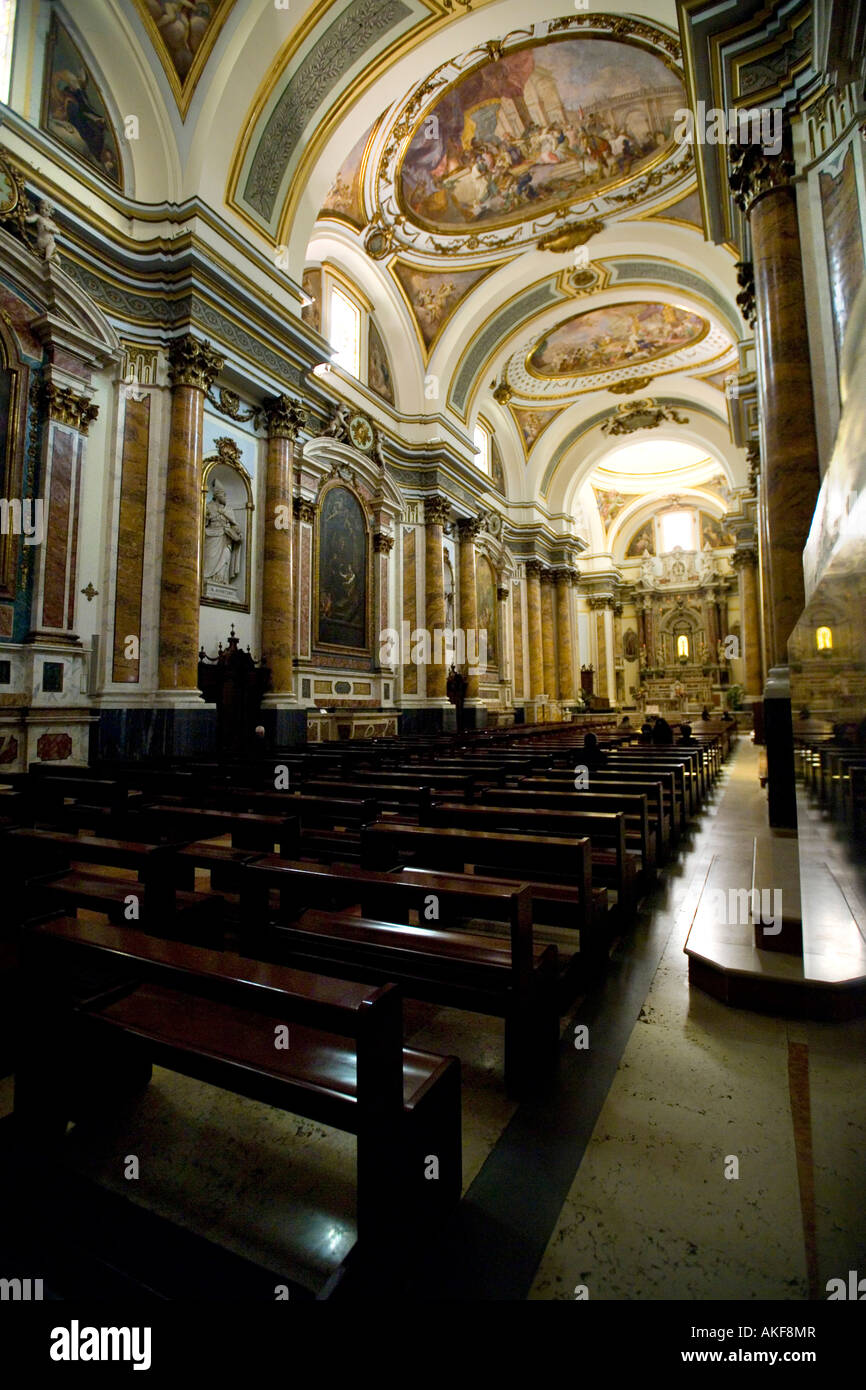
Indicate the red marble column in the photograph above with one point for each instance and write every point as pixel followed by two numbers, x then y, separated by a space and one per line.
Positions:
pixel 284 417
pixel 790 473
pixel 436 513
pixel 193 367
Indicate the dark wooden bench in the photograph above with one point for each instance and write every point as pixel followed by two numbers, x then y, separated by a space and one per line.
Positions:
pixel 535 859
pixel 212 1015
pixel 613 865
pixel 248 830
pixel 629 784
pixel 403 894
pixel 514 979
pixel 639 835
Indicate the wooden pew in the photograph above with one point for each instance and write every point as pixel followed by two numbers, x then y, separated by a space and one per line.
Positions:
pixel 212 1015
pixel 514 979
pixel 396 795
pixel 613 865
pixel 248 830
pixel 609 784
pixel 538 860
pixel 402 895
pixel 46 878
pixel 638 836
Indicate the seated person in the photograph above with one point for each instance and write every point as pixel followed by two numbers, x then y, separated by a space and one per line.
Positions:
pixel 625 722
pixel 646 733
pixel 686 735
pixel 663 734
pixel 592 755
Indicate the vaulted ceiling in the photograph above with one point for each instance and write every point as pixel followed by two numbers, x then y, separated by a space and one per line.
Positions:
pixel 502 185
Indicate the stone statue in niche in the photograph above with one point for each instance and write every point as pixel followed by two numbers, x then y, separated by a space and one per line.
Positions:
pixel 223 539
pixel 225 535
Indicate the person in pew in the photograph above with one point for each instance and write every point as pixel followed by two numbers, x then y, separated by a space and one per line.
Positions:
pixel 686 735
pixel 663 734
pixel 646 732
pixel 593 755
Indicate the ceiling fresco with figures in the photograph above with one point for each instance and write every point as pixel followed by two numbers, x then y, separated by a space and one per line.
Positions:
pixel 504 142
pixel 620 335
pixel 183 33
pixel 527 211
pixel 536 128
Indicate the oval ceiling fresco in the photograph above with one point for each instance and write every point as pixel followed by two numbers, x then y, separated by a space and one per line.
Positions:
pixel 618 335
pixel 544 124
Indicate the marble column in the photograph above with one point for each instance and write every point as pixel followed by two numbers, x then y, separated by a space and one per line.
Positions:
pixel 520 691
pixel 746 563
pixel 467 530
pixel 383 544
pixel 436 514
pixel 193 367
pixel 533 623
pixel 283 417
pixel 548 650
pixel 763 188
pixel 565 646
pixel 70 413
pixel 600 684
pixel 505 663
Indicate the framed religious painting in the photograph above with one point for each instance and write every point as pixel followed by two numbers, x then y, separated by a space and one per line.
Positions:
pixel 342 596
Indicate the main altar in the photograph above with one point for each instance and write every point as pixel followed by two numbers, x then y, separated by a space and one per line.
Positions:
pixel 687 638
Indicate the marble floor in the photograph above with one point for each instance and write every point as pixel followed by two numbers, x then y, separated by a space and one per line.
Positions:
pixel 653 1211
pixel 616 1178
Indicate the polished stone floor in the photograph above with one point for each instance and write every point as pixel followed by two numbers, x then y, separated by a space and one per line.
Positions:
pixel 615 1178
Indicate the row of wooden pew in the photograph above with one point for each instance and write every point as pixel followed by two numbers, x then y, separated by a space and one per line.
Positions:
pixel 182 914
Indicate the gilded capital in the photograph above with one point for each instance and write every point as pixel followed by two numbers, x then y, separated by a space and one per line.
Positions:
pixel 565 576
pixel 69 408
pixel 437 510
pixel 534 567
pixel 193 363
pixel 304 510
pixel 745 558
pixel 283 417
pixel 754 172
pixel 502 594
pixel 468 528
pixel 382 544
pixel 548 576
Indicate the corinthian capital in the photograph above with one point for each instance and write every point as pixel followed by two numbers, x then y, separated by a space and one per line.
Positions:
pixel 283 417
pixel 193 363
pixel 437 510
pixel 754 172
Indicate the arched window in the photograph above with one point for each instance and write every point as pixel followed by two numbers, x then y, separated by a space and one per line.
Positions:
pixel 481 439
pixel 824 639
pixel 676 531
pixel 683 646
pixel 7 30
pixel 344 331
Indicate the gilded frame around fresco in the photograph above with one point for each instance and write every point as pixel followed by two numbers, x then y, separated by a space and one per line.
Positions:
pixel 334 647
pixel 119 184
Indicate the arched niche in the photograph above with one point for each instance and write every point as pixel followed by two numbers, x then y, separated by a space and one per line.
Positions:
pixel 226 530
